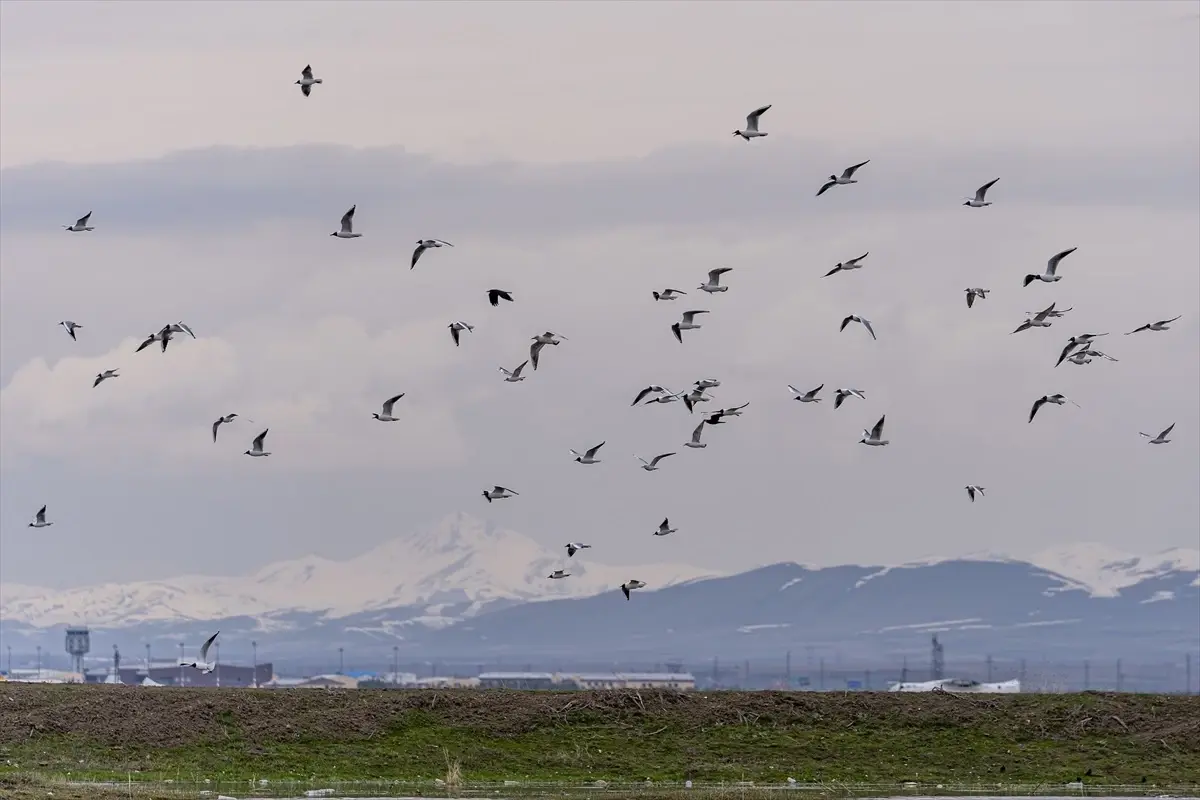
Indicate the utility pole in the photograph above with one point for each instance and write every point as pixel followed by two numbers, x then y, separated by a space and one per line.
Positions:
pixel 341 661
pixel 254 648
pixel 147 659
pixel 39 661
pixel 904 671
pixel 181 679
pixel 396 665
pixel 10 661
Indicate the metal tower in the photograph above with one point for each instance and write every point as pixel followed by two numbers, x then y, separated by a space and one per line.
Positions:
pixel 937 661
pixel 78 644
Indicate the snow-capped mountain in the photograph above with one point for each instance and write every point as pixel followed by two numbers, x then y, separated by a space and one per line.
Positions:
pixel 1105 570
pixel 462 562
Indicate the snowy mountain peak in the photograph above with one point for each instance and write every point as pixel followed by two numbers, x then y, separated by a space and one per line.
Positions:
pixel 1105 570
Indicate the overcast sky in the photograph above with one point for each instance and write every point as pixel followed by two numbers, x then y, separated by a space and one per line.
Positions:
pixel 581 156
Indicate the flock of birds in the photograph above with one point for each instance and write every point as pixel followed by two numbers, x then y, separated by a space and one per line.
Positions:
pixel 1079 350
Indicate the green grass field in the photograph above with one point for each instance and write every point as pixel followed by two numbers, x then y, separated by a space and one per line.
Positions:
pixel 113 732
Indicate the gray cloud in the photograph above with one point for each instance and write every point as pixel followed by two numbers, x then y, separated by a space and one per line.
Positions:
pixel 308 334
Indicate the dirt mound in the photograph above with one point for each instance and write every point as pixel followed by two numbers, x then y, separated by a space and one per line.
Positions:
pixel 147 717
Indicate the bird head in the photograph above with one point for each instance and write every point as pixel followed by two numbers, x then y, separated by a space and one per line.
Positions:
pixel 376 416
pixel 737 133
pixel 333 234
pixel 833 177
pixel 247 452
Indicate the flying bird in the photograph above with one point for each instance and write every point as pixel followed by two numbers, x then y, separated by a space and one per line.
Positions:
pixel 696 395
pixel 456 329
pixel 1080 358
pixel 978 201
pixel 1161 325
pixel 806 397
pixel 1077 341
pixel 498 493
pixel 1056 399
pixel 103 376
pixel 558 573
pixel 575 547
pixel 1160 439
pixel 81 224
pixel 540 341
pixel 752 130
pixel 971 490
pixel 668 294
pixel 866 323
pixel 515 375
pixel 652 465
pixel 39 520
pixel 716 417
pixel 496 295
pixel 714 280
pixel 347 230
pixel 841 395
pixel 973 293
pixel 1051 275
pixel 388 405
pixel 307 80
pixel 204 665
pixel 629 586
pixel 648 390
pixel 588 457
pixel 686 324
pixel 847 177
pixel 846 266
pixel 1039 320
pixel 707 383
pixel 665 529
pixel 70 328
pixel 695 442
pixel 180 327
pixel 256 447
pixel 225 420
pixel 1053 314
pixel 163 336
pixel 425 244
pixel 874 437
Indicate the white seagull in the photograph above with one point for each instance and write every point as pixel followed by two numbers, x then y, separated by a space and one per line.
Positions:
pixel 204 665
pixel 1091 351
pixel 667 396
pixel 714 280
pixel 588 457
pixel 686 324
pixel 978 201
pixel 655 389
pixel 1039 320
pixel 180 327
pixel 752 130
pixel 347 230
pixel 668 294
pixel 1160 439
pixel 866 323
pixel 1080 358
pixel 973 293
pixel 498 493
pixel 874 436
pixel 842 394
pixel 1056 399
pixel 81 224
pixel 515 375
pixel 425 244
pixel 256 447
pixel 1053 314
pixel 575 547
pixel 103 376
pixel 496 295
pixel 457 327
pixel 39 520
pixel 540 341
pixel 629 586
pixel 225 420
pixel 846 266
pixel 70 327
pixel 388 405
pixel 1077 341
pixel 971 490
pixel 806 397
pixel 558 573
pixel 847 177
pixel 650 466
pixel 716 417
pixel 695 396
pixel 695 442
pixel 1161 325
pixel 707 383
pixel 1051 275
pixel 164 336
pixel 307 80
pixel 665 529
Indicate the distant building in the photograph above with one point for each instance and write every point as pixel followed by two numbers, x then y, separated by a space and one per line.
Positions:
pixel 679 681
pixel 169 674
pixel 520 680
pixel 314 682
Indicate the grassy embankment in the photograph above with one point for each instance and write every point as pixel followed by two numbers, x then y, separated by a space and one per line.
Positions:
pixel 109 732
